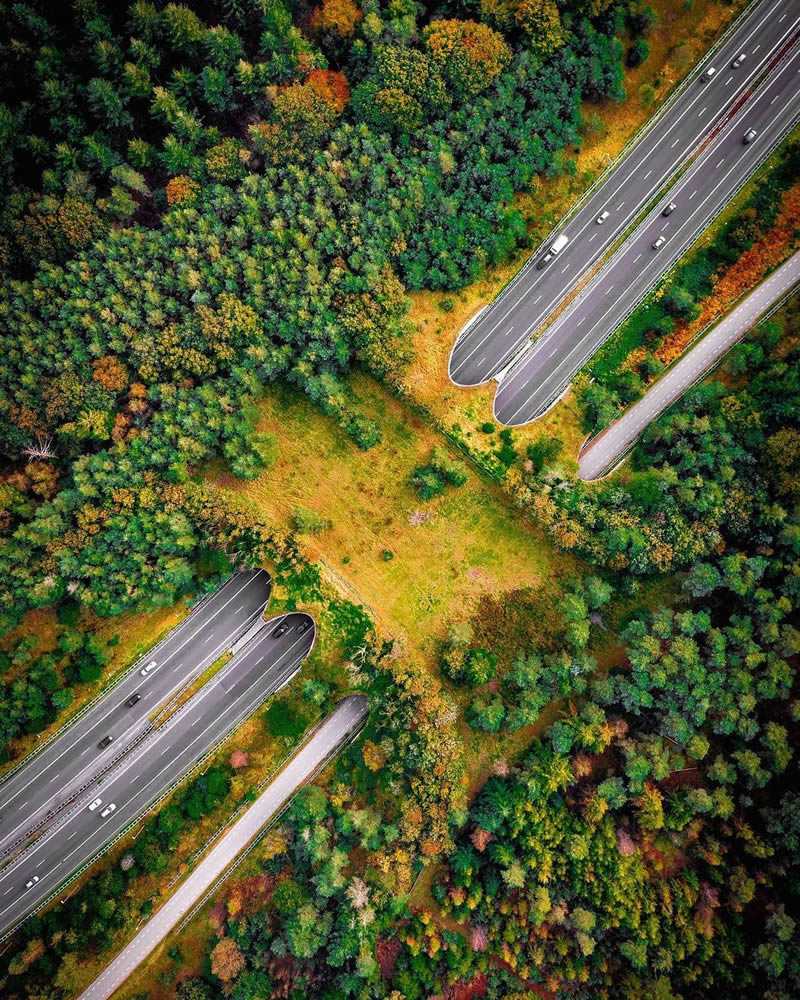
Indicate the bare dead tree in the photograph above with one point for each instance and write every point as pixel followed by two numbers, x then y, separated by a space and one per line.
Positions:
pixel 42 449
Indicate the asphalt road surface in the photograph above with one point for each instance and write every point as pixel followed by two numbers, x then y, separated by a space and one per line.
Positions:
pixel 497 333
pixel 605 450
pixel 264 665
pixel 43 783
pixel 349 714
pixel 541 374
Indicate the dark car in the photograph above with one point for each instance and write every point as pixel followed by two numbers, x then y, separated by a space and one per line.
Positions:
pixel 105 742
pixel 749 135
pixel 670 208
pixel 304 626
pixel 133 699
pixel 282 629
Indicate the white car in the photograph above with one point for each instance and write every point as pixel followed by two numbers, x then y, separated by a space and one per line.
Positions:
pixel 150 666
pixel 657 244
pixel 601 218
pixel 108 810
pixel 32 883
pixel 94 805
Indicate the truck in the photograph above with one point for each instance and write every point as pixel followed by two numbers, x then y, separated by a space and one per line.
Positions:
pixel 556 247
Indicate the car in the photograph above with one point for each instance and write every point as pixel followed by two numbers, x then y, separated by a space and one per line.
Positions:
pixel 150 666
pixel 749 135
pixel 30 884
pixel 105 742
pixel 304 626
pixel 133 699
pixel 93 805
pixel 544 261
pixel 657 244
pixel 737 62
pixel 601 218
pixel 282 629
pixel 669 209
pixel 708 74
pixel 108 810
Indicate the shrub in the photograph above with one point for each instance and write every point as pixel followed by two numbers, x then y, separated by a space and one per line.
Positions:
pixel 308 522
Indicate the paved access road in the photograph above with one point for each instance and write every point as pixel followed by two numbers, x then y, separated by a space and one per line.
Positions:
pixel 489 343
pixel 345 719
pixel 44 782
pixel 604 451
pixel 541 374
pixel 264 665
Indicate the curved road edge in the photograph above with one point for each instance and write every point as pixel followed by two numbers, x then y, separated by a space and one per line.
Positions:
pixel 342 725
pixel 604 452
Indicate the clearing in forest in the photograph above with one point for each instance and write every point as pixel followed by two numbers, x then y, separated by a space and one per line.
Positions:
pixel 415 563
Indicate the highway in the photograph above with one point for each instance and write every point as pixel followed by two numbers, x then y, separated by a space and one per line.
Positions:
pixel 348 716
pixel 262 666
pixel 493 337
pixel 604 451
pixel 542 372
pixel 41 784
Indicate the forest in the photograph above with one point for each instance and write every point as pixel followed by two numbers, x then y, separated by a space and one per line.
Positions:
pixel 204 200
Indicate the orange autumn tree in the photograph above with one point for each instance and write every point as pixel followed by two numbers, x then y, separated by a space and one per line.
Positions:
pixel 331 86
pixel 337 16
pixel 182 190
pixel 469 55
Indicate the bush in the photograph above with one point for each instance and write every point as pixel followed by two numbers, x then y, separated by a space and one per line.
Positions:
pixel 308 522
pixel 640 20
pixel 430 480
pixel 637 53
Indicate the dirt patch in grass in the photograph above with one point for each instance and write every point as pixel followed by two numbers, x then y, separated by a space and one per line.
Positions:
pixel 415 564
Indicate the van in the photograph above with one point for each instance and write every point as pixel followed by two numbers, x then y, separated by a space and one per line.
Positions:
pixel 559 244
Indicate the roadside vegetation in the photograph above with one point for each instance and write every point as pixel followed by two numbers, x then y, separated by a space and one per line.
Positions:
pixel 756 233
